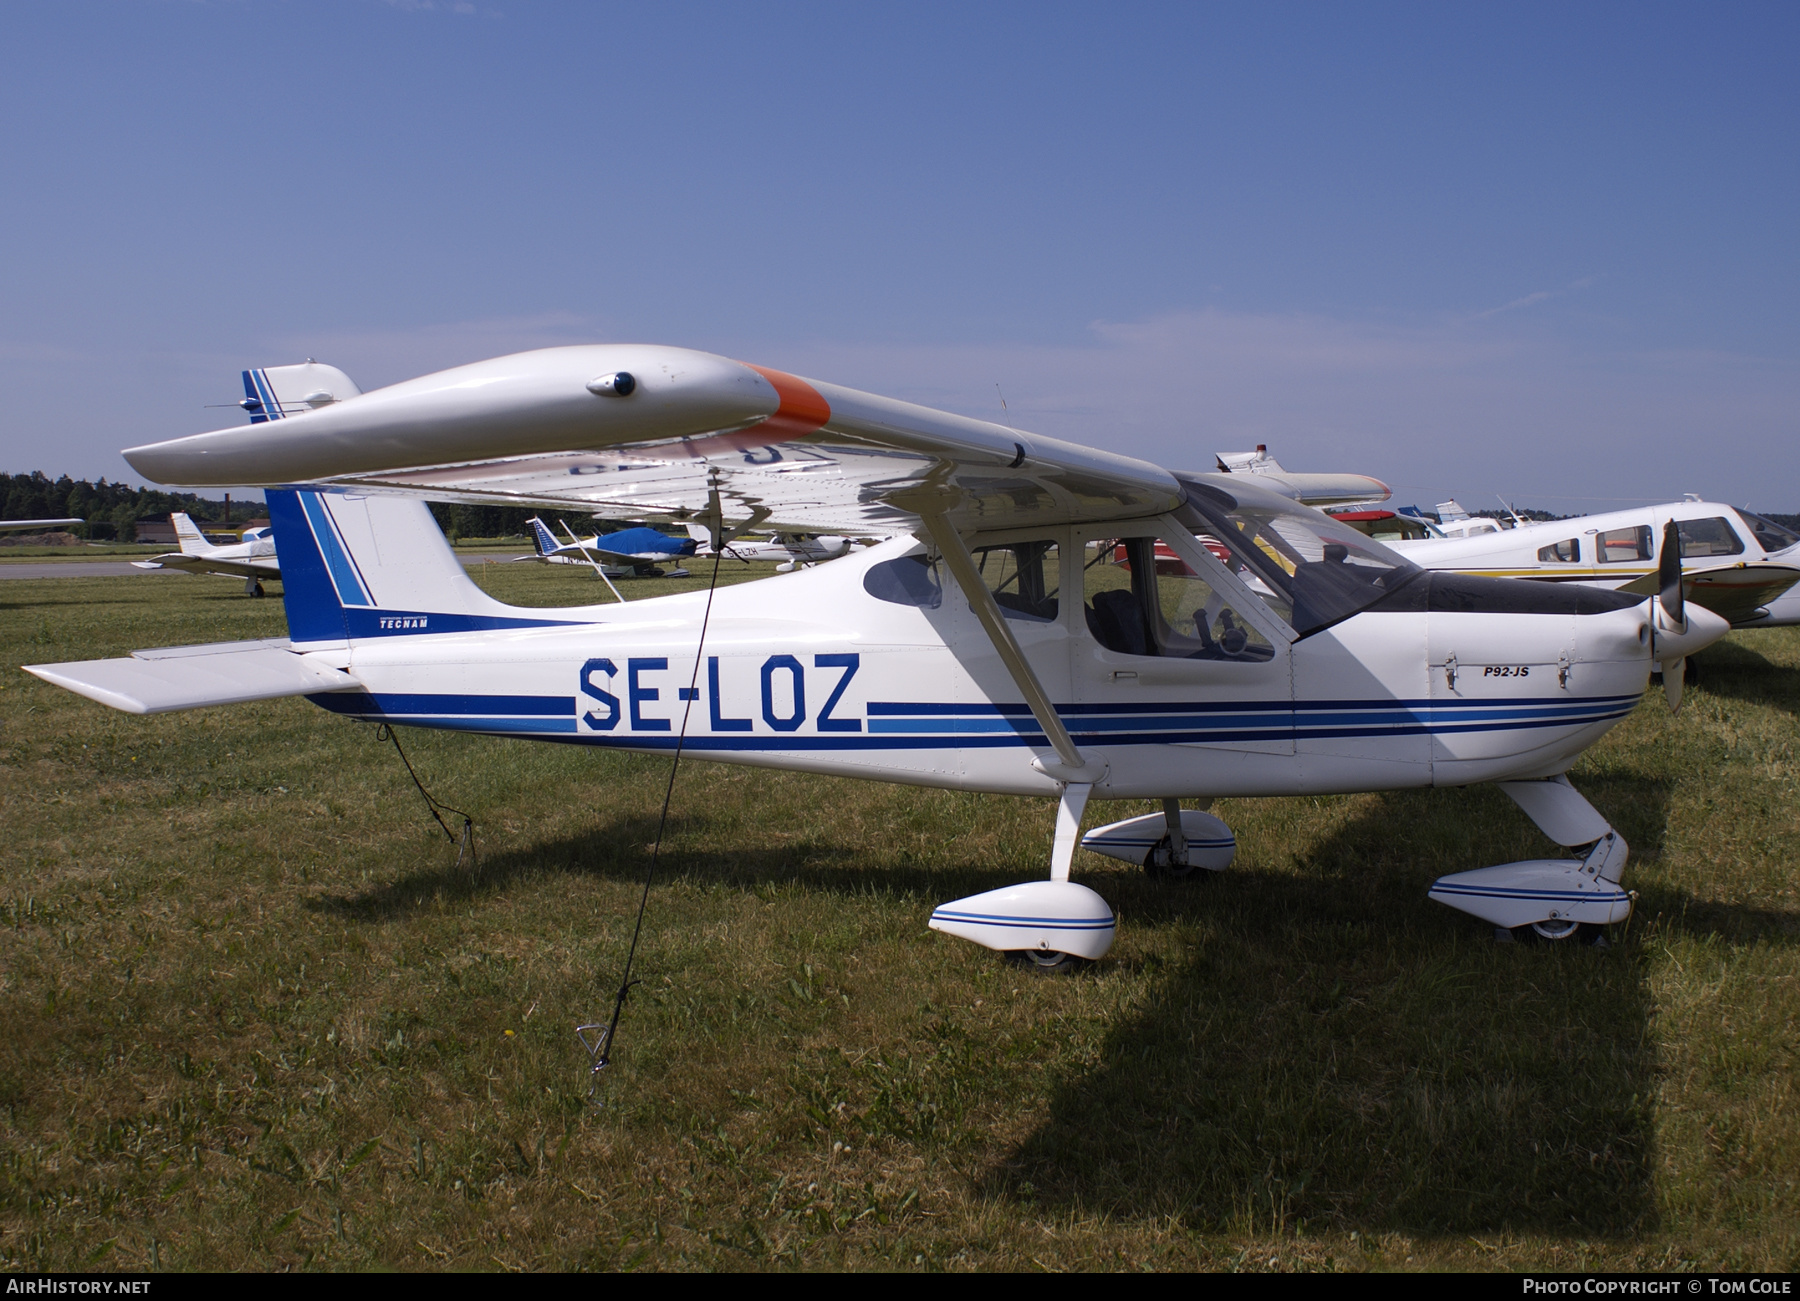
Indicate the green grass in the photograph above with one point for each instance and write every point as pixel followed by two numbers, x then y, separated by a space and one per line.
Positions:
pixel 256 1019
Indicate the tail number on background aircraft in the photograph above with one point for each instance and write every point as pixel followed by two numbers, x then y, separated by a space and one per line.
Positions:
pixel 783 703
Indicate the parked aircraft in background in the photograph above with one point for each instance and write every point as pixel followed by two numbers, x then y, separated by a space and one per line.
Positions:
pixel 1455 522
pixel 791 550
pixel 1310 489
pixel 1734 563
pixel 252 560
pixel 272 392
pixel 997 642
pixel 630 553
pixel 36 525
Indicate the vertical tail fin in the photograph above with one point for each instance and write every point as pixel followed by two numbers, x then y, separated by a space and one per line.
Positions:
pixel 542 538
pixel 355 567
pixel 193 541
pixel 272 392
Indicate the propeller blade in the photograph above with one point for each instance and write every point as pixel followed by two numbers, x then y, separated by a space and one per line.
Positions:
pixel 1668 579
pixel 1674 671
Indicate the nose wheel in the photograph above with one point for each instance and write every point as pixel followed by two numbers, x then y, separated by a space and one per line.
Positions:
pixel 1162 863
pixel 1047 962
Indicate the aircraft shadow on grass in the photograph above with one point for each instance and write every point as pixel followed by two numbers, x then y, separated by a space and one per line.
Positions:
pixel 1341 1051
pixel 1735 671
pixel 619 850
pixel 1331 1048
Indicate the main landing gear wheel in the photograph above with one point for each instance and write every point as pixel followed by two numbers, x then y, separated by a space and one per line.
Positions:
pixel 253 588
pixel 1160 864
pixel 1047 962
pixel 1560 931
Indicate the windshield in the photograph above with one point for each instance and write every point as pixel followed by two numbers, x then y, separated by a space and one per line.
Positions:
pixel 1312 570
pixel 1770 536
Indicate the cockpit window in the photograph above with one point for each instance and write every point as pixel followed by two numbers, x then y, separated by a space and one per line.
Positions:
pixel 1024 577
pixel 1308 568
pixel 1624 546
pixel 1708 537
pixel 1142 598
pixel 1769 535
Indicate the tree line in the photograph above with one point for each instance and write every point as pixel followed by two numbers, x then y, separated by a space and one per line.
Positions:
pixel 112 510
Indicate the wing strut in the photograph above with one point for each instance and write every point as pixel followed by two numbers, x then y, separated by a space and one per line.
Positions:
pixel 1074 765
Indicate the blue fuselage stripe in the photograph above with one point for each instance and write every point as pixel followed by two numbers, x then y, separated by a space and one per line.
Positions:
pixel 1181 724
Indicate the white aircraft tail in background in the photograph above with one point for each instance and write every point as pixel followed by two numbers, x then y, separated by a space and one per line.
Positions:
pixel 272 392
pixel 1307 489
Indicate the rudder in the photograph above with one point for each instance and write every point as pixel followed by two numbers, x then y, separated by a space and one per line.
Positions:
pixel 355 567
pixel 187 533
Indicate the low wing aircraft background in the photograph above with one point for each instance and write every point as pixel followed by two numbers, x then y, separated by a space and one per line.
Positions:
pixel 252 560
pixel 36 525
pixel 1047 619
pixel 790 550
pixel 628 553
pixel 1734 563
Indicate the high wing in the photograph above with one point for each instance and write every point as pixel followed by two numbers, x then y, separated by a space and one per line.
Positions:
pixel 646 431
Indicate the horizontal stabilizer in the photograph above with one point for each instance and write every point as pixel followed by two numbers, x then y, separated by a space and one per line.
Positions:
pixel 192 677
pixel 212 565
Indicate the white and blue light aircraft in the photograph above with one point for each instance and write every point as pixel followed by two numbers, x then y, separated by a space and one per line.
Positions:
pixel 789 551
pixel 628 553
pixel 1045 619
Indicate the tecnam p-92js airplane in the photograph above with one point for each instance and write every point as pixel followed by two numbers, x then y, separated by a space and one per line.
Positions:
pixel 1044 619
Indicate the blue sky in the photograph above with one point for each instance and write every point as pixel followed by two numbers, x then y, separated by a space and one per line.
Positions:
pixel 1540 250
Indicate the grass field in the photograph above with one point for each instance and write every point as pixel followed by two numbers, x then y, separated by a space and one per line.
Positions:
pixel 255 1019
